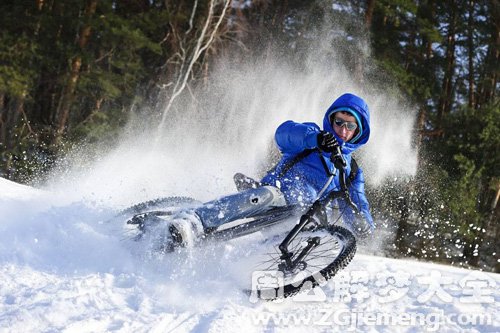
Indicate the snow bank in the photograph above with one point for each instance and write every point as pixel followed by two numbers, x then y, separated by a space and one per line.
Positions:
pixel 66 267
pixel 11 190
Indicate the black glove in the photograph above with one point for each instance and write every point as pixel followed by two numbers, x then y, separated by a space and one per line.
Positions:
pixel 327 142
pixel 361 228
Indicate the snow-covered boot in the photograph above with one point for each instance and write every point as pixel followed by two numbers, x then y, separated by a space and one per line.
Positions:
pixel 244 183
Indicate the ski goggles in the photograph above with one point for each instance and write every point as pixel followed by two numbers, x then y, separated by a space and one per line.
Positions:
pixel 349 125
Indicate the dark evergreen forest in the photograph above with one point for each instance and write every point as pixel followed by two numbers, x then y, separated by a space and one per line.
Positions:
pixel 71 70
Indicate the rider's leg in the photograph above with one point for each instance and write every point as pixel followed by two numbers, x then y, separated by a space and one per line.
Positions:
pixel 244 204
pixel 188 224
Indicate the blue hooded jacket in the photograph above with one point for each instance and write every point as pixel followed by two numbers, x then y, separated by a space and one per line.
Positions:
pixel 304 180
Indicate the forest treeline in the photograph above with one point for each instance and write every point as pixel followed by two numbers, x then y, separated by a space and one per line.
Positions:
pixel 70 70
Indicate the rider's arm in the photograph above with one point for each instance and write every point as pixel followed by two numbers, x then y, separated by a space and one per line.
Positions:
pixel 293 137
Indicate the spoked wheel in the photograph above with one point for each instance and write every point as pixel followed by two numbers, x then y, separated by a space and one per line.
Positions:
pixel 157 204
pixel 328 250
pixel 149 221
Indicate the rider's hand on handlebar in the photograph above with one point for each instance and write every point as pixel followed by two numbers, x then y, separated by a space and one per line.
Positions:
pixel 327 142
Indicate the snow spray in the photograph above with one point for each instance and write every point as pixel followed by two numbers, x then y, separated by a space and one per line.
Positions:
pixel 228 126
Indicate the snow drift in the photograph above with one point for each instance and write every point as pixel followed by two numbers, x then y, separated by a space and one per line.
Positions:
pixel 65 267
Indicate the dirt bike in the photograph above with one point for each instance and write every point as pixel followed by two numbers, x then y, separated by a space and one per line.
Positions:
pixel 313 251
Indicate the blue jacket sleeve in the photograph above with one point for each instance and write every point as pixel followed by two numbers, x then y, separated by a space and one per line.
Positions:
pixel 293 137
pixel 357 192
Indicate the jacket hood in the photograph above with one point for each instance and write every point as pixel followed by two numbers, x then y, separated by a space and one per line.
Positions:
pixel 358 107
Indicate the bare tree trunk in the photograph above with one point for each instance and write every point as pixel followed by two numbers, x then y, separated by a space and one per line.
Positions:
pixel 39 4
pixel 67 97
pixel 489 76
pixel 445 101
pixel 13 112
pixel 496 49
pixel 470 44
pixel 431 8
pixel 422 115
pixel 370 6
pixel 188 61
pixel 3 114
pixel 76 64
pixel 494 205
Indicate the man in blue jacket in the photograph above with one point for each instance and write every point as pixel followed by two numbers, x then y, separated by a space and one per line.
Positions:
pixel 300 176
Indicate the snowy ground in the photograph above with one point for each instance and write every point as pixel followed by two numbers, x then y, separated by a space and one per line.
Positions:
pixel 64 268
